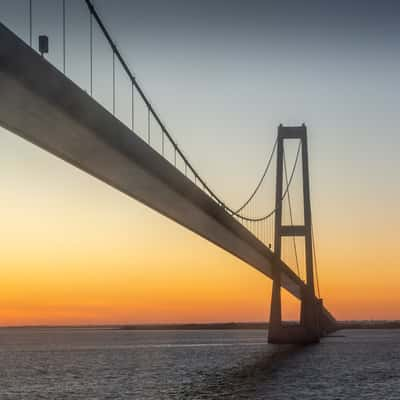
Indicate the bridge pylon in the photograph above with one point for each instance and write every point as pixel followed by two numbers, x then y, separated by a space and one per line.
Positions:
pixel 309 330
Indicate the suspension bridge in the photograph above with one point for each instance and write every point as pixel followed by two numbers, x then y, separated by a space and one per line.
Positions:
pixel 42 104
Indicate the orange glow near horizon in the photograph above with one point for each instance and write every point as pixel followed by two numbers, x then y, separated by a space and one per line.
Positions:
pixel 75 251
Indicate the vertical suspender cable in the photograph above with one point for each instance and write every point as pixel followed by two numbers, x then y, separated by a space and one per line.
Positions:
pixel 30 22
pixel 64 39
pixel 262 232
pixel 269 240
pixel 270 234
pixel 133 108
pixel 273 233
pixel 265 232
pixel 113 82
pixel 91 54
pixel 162 142
pixel 148 125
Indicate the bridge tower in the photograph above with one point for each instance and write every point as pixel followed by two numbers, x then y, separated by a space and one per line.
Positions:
pixel 309 330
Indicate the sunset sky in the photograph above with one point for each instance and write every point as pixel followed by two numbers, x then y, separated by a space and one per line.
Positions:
pixel 223 75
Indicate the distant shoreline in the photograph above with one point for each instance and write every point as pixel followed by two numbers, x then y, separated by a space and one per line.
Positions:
pixel 210 326
pixel 259 325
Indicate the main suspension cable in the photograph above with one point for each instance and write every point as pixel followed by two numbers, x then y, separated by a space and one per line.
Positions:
pixel 271 213
pixel 177 150
pixel 261 180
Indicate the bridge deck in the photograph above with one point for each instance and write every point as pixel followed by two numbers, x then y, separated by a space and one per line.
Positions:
pixel 43 106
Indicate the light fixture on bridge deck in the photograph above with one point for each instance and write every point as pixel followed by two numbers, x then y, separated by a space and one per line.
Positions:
pixel 43 44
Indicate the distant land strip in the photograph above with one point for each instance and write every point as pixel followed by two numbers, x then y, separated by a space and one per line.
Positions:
pixel 373 324
pixel 259 325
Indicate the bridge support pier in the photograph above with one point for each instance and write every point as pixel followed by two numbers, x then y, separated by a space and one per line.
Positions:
pixel 309 330
pixel 310 315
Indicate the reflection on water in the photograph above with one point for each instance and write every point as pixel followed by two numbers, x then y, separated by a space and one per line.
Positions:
pixel 237 364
